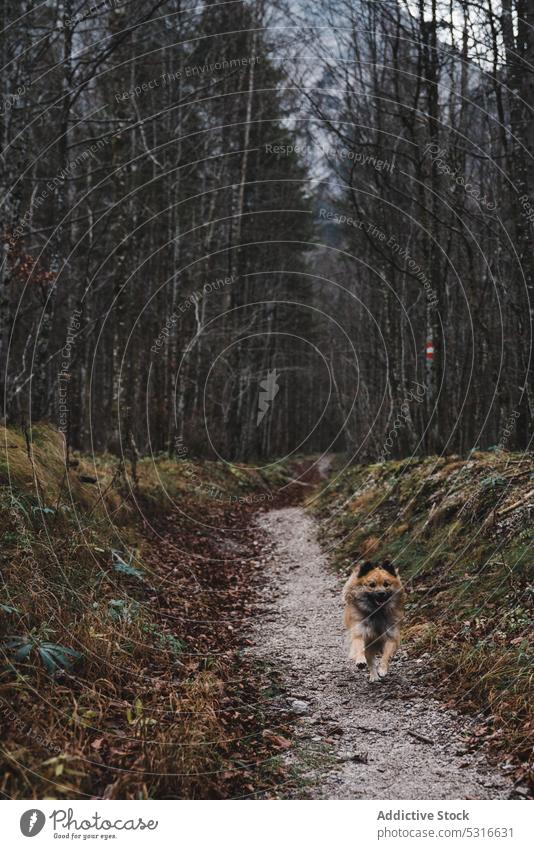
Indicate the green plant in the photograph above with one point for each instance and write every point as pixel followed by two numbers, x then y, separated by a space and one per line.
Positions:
pixel 493 481
pixel 123 610
pixel 125 567
pixel 53 655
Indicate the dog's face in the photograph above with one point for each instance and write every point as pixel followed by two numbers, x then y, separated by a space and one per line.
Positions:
pixel 376 584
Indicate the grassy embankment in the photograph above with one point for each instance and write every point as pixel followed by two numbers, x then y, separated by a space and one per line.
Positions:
pixel 462 534
pixel 114 681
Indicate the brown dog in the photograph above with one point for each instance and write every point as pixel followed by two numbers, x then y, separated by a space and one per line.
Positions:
pixel 374 609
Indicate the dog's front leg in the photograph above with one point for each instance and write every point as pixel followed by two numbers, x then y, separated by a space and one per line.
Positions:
pixel 390 647
pixel 357 648
pixel 372 657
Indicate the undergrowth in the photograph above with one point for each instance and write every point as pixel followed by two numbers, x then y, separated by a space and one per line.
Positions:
pixel 113 682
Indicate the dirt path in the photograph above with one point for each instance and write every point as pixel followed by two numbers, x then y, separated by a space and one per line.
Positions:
pixel 353 739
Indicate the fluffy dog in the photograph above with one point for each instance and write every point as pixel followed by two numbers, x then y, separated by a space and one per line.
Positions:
pixel 374 609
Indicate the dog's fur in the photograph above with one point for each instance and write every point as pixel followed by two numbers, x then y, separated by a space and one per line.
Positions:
pixel 374 609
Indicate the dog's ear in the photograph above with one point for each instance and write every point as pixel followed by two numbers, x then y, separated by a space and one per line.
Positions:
pixel 388 566
pixel 364 568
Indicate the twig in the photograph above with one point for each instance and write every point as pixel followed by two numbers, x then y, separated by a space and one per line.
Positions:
pixel 371 730
pixel 515 504
pixel 116 475
pixel 421 737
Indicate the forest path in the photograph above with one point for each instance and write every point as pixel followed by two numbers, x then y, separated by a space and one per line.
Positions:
pixel 352 739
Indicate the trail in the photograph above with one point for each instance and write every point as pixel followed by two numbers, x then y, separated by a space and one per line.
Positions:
pixel 352 739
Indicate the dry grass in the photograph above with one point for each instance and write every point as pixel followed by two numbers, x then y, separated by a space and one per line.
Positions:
pixel 140 709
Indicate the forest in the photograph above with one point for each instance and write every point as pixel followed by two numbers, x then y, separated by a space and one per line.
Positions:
pixel 261 256
pixel 196 195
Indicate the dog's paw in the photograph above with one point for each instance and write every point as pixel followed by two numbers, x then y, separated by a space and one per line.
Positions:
pixel 361 664
pixel 382 671
pixel 373 677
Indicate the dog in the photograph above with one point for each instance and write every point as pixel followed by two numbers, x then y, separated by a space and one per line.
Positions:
pixel 374 609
